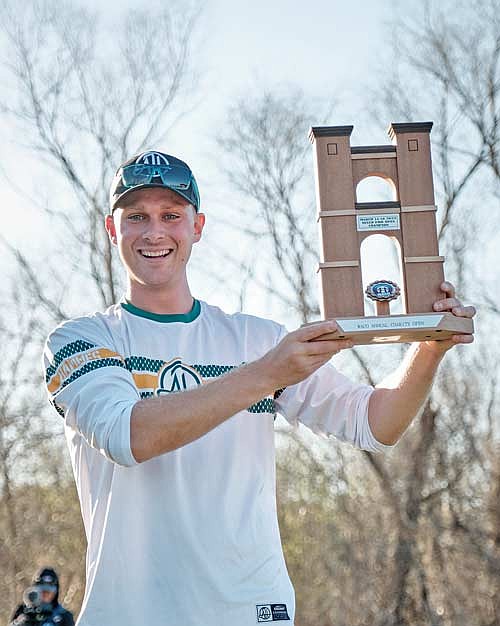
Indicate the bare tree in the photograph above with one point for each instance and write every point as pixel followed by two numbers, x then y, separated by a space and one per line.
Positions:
pixel 444 65
pixel 449 53
pixel 85 95
pixel 79 96
pixel 29 446
pixel 390 547
pixel 269 165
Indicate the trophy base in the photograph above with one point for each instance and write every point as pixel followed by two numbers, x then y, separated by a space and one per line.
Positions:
pixel 399 328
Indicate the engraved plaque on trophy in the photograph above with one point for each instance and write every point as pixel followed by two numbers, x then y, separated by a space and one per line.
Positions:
pixel 409 219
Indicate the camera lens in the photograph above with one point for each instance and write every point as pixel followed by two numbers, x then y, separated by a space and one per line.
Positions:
pixel 33 596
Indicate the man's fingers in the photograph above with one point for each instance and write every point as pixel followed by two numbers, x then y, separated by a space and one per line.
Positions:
pixel 327 347
pixel 315 362
pixel 462 338
pixel 447 304
pixel 455 306
pixel 448 288
pixel 464 311
pixel 313 331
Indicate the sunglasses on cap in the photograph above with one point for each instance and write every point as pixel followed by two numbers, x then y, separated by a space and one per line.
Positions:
pixel 170 173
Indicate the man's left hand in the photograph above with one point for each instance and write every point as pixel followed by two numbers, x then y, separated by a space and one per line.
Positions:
pixel 453 305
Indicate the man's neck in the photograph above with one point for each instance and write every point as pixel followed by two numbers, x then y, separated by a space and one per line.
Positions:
pixel 159 300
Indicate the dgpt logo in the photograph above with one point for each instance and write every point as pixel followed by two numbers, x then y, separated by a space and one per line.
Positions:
pixel 264 613
pixel 175 376
pixel 152 158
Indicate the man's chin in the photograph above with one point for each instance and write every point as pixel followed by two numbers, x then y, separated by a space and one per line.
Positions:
pixel 153 281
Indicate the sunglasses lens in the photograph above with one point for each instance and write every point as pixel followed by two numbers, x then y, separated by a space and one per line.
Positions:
pixel 133 175
pixel 170 175
pixel 175 177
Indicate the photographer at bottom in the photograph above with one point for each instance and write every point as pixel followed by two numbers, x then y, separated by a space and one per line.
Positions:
pixel 40 604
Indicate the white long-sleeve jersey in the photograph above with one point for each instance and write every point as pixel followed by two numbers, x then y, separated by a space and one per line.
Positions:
pixel 189 538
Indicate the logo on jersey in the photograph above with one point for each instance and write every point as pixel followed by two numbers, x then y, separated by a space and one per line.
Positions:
pixel 152 158
pixel 175 376
pixel 272 612
pixel 264 613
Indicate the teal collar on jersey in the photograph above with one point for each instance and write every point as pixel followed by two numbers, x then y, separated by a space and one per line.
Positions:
pixel 157 317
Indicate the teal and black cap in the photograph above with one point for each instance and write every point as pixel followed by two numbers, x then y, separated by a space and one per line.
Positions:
pixel 154 169
pixel 46 579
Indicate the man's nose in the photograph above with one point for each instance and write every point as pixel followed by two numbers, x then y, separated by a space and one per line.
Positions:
pixel 155 230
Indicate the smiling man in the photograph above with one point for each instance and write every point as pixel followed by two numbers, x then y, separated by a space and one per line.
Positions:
pixel 169 406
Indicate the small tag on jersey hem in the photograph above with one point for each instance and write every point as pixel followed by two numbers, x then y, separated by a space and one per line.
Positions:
pixel 271 612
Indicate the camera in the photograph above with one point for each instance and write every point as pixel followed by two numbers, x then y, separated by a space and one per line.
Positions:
pixel 35 611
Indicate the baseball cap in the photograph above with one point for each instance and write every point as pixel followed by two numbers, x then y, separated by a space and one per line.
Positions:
pixel 154 169
pixel 47 587
pixel 46 580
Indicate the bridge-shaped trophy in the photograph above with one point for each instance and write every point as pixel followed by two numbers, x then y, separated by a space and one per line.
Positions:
pixel 410 219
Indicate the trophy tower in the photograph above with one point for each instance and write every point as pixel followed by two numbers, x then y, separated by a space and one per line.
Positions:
pixel 410 219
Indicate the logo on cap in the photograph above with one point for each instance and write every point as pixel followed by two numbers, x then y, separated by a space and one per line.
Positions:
pixel 48 579
pixel 152 158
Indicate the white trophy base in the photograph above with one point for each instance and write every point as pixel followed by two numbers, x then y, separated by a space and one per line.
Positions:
pixel 399 328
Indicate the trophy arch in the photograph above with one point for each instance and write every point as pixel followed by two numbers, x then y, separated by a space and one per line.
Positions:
pixel 344 222
pixel 375 246
pixel 375 185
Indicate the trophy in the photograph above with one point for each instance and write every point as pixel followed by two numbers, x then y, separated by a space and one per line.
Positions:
pixel 409 220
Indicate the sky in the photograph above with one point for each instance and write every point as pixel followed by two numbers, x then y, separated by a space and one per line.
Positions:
pixel 326 48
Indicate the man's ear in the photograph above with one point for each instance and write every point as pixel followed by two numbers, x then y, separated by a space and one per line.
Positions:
pixel 199 223
pixel 111 229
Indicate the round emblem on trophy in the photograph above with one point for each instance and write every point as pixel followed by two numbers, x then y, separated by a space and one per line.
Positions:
pixel 383 291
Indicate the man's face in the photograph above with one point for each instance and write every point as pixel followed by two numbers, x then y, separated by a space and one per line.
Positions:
pixel 154 230
pixel 47 596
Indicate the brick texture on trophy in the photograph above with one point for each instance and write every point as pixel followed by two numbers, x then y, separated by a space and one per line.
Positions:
pixel 407 166
pixel 410 218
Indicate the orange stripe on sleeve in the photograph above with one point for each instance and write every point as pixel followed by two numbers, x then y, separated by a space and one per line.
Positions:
pixel 75 362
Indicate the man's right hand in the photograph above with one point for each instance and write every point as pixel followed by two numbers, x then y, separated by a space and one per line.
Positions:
pixel 162 424
pixel 298 355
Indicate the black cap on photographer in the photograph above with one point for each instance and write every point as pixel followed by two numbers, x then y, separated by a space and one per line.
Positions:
pixel 46 578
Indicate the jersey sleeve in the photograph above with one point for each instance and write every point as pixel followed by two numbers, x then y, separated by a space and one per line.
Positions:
pixel 329 403
pixel 90 387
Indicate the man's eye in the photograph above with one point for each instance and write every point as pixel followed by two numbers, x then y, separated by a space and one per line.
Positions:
pixel 171 216
pixel 135 218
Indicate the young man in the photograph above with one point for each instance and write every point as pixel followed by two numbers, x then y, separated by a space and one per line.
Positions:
pixel 177 490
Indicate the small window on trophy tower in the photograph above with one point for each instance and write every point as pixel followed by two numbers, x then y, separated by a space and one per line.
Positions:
pixel 375 189
pixel 381 259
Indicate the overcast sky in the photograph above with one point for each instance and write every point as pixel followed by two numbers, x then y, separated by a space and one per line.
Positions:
pixel 327 48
